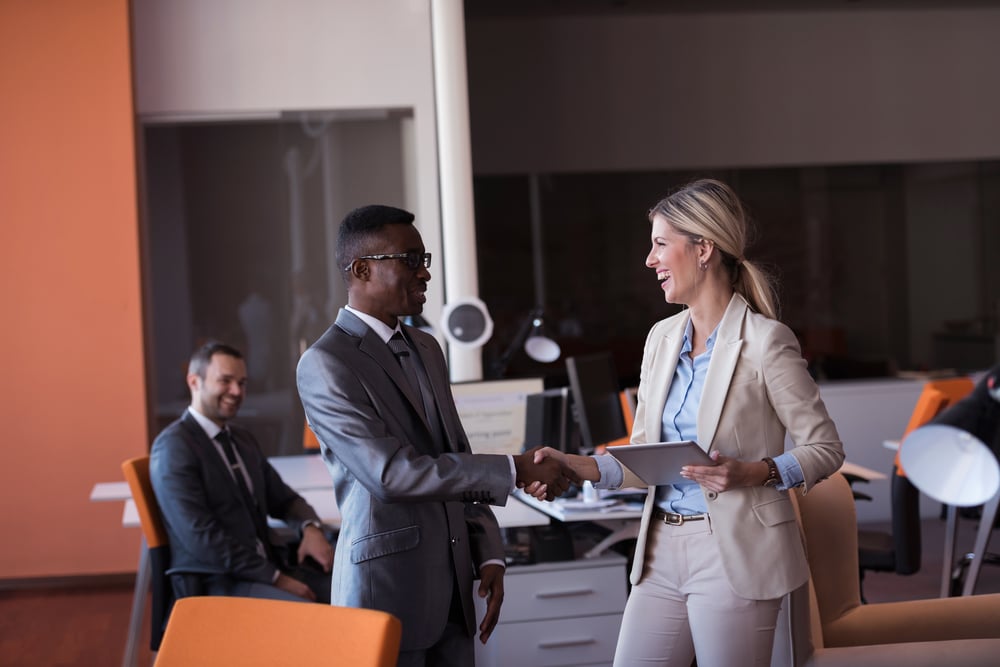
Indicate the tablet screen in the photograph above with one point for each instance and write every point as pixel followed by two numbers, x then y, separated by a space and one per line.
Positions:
pixel 658 463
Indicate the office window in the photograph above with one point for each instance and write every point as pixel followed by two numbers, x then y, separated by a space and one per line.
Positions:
pixel 881 268
pixel 240 222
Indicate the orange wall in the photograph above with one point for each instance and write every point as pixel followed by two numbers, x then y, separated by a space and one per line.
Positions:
pixel 73 396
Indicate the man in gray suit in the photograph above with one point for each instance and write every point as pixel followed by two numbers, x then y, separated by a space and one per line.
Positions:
pixel 216 489
pixel 416 524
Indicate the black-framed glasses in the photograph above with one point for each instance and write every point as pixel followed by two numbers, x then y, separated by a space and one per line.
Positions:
pixel 413 259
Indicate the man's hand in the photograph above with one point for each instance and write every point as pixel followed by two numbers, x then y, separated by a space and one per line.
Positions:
pixel 295 587
pixel 314 544
pixel 553 476
pixel 491 584
pixel 583 468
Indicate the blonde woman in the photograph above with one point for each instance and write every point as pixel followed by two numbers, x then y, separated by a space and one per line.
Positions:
pixel 716 554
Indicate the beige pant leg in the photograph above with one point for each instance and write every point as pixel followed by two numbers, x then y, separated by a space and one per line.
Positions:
pixel 684 605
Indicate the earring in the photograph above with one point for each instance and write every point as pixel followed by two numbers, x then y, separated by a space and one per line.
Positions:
pixel 703 266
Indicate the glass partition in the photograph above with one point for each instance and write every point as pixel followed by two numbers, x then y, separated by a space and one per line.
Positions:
pixel 240 218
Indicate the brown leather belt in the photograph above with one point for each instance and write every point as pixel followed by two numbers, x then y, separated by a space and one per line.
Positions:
pixel 672 519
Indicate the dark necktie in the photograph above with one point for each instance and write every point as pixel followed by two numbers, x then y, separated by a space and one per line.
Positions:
pixel 401 349
pixel 249 502
pixel 417 377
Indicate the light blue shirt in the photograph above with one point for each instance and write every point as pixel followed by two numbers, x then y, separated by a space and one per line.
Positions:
pixel 680 422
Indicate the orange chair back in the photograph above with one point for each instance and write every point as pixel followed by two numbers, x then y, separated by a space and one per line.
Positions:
pixel 628 412
pixel 137 475
pixel 309 440
pixel 221 631
pixel 936 396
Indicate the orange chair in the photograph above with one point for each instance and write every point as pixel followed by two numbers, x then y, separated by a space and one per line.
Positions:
pixel 628 413
pixel 310 442
pixel 158 544
pixel 219 631
pixel 829 626
pixel 936 396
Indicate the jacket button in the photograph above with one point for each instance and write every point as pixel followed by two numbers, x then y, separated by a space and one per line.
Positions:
pixel 454 540
pixel 712 495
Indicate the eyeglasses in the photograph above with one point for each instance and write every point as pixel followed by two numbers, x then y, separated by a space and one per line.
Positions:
pixel 413 259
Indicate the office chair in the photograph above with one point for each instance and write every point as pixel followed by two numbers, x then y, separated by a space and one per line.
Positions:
pixel 158 544
pixel 829 625
pixel 627 398
pixel 899 551
pixel 310 443
pixel 220 631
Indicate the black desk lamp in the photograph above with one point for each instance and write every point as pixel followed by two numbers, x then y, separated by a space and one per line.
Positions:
pixel 531 336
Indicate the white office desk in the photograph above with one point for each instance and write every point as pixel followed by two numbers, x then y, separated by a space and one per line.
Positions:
pixel 306 474
pixel 621 519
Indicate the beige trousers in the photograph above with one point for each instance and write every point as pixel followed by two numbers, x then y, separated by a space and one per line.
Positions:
pixel 684 606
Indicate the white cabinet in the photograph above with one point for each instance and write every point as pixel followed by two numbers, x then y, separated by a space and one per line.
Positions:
pixel 557 614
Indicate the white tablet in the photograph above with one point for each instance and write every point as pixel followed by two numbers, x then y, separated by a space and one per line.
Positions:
pixel 659 463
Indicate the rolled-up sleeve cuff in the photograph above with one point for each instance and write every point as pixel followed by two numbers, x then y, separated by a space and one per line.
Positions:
pixel 611 472
pixel 790 471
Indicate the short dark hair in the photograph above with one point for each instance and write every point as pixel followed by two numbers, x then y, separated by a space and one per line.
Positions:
pixel 202 357
pixel 360 225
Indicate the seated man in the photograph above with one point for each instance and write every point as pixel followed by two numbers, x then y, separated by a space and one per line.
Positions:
pixel 216 489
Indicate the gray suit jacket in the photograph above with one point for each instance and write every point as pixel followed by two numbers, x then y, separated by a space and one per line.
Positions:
pixel 210 530
pixel 415 514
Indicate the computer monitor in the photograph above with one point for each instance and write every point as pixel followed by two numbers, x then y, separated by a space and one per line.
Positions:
pixel 596 402
pixel 548 420
pixel 493 413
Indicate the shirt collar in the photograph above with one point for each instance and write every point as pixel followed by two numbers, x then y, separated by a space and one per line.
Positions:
pixel 380 328
pixel 688 330
pixel 210 427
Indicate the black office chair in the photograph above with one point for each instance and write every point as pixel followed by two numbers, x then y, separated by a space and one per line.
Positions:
pixel 897 551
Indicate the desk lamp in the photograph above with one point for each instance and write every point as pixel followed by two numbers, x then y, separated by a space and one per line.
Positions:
pixel 950 465
pixel 530 335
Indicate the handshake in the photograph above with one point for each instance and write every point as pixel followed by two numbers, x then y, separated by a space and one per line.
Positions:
pixel 545 475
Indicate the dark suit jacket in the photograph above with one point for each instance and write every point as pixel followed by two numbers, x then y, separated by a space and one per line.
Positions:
pixel 209 528
pixel 412 525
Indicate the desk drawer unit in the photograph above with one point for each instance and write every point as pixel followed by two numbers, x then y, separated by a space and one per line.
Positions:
pixel 558 614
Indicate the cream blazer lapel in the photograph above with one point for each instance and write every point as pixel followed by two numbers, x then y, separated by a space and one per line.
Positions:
pixel 725 354
pixel 666 351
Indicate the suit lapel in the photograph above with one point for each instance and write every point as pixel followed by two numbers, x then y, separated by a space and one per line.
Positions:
pixel 210 455
pixel 371 345
pixel 442 429
pixel 728 344
pixel 666 351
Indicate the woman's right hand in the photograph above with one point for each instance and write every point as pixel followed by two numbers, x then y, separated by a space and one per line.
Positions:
pixel 584 466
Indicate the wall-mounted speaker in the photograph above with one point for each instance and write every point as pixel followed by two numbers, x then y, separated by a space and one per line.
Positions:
pixel 466 322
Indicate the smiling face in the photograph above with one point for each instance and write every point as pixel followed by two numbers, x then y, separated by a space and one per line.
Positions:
pixel 388 289
pixel 220 393
pixel 675 259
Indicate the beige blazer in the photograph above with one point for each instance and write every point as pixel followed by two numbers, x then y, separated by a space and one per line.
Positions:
pixel 757 387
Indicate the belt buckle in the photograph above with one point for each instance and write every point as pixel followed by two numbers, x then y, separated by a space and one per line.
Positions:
pixel 672 519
